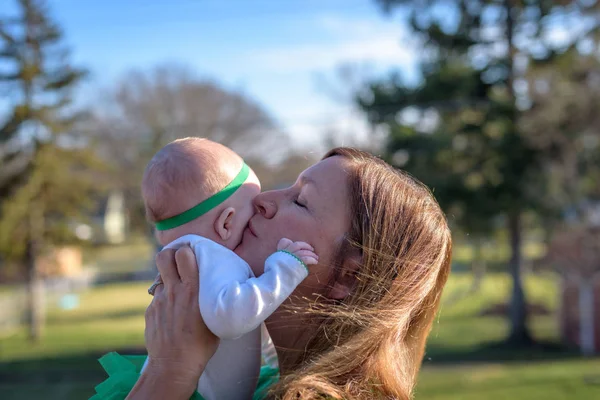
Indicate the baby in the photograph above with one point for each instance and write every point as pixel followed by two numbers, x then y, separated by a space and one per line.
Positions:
pixel 199 193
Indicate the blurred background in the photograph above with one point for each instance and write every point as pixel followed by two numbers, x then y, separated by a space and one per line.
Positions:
pixel 495 104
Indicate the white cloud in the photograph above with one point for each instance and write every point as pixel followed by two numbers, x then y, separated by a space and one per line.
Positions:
pixel 334 24
pixel 347 126
pixel 303 107
pixel 377 50
pixel 342 41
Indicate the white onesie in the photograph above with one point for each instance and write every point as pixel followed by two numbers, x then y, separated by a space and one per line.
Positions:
pixel 234 303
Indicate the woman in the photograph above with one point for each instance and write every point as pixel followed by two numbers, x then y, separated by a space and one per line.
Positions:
pixel 356 327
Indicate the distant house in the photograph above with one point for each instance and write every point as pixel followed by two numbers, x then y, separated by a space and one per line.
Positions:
pixel 114 223
pixel 63 261
pixel 579 302
pixel 573 305
pixel 109 224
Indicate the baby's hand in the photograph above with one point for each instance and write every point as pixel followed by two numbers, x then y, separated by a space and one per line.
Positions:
pixel 302 250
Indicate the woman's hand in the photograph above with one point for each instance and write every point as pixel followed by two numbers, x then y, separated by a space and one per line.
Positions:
pixel 179 343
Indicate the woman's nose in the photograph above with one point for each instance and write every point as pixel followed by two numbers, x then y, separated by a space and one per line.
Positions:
pixel 265 205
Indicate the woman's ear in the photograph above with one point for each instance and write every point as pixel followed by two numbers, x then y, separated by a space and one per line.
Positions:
pixel 346 281
pixel 223 223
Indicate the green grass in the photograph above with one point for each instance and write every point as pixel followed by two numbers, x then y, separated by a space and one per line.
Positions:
pixel 496 252
pixel 459 325
pixel 546 380
pixel 64 365
pixel 129 257
pixel 108 317
pixel 460 363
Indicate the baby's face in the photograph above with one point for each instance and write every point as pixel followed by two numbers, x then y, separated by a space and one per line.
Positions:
pixel 242 201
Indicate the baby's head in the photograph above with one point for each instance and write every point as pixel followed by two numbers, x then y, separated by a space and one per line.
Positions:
pixel 187 172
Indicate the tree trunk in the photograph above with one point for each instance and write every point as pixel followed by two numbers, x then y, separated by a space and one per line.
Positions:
pixel 519 333
pixel 35 293
pixel 586 317
pixel 478 265
pixel 36 309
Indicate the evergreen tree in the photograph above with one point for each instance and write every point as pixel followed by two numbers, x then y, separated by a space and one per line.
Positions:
pixel 48 184
pixel 469 142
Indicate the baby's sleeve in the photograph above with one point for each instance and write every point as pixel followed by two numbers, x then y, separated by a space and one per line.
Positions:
pixel 232 301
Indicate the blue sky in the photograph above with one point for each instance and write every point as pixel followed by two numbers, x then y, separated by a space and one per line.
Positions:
pixel 277 51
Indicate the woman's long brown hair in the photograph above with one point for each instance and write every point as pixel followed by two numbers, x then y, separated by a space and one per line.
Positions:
pixel 371 344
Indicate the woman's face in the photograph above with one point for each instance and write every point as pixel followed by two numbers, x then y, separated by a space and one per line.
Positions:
pixel 314 210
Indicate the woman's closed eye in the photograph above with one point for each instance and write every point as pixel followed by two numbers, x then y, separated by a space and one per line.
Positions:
pixel 299 203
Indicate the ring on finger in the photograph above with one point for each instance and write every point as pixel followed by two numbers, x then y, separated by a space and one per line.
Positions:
pixel 153 287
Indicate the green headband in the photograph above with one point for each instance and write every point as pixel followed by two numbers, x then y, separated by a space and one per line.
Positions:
pixel 207 204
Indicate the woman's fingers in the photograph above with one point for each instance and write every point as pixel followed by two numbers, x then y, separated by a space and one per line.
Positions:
pixel 187 268
pixel 165 262
pixel 176 337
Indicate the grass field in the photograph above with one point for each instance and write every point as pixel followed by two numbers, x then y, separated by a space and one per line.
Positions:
pixel 461 360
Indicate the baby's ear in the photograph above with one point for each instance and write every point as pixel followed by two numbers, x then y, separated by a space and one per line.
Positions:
pixel 223 223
